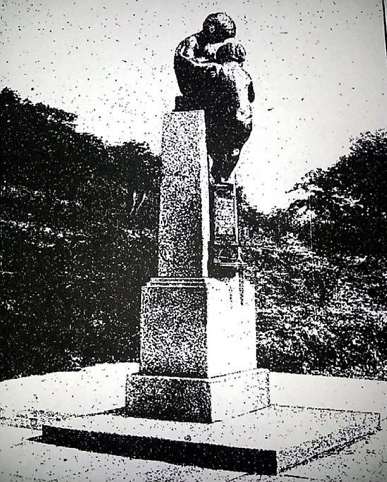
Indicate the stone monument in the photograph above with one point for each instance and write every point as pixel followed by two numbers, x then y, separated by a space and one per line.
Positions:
pixel 197 349
pixel 199 398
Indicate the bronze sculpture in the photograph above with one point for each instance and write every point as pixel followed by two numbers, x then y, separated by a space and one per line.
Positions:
pixel 210 75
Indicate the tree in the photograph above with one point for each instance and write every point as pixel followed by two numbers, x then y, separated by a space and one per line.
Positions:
pixel 74 257
pixel 319 269
pixel 345 206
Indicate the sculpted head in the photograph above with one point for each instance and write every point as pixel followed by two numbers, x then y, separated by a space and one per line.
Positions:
pixel 231 52
pixel 218 27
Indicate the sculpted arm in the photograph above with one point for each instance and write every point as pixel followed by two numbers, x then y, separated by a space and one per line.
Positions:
pixel 189 51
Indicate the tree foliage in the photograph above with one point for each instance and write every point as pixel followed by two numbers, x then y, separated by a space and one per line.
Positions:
pixel 320 267
pixel 346 205
pixel 74 257
pixel 79 237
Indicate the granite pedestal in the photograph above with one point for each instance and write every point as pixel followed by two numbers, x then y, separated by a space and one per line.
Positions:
pixel 197 348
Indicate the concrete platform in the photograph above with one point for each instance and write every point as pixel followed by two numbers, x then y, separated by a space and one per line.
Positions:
pixel 36 400
pixel 266 441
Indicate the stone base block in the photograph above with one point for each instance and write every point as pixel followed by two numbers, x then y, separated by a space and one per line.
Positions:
pixel 266 441
pixel 197 399
pixel 197 327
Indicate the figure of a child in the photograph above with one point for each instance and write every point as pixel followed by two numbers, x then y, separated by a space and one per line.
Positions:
pixel 229 115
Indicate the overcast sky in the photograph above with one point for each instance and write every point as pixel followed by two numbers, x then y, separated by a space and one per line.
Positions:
pixel 318 66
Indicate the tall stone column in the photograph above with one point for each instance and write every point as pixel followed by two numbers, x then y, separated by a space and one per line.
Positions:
pixel 184 226
pixel 197 348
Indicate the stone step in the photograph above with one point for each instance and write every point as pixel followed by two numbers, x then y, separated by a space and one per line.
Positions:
pixel 266 441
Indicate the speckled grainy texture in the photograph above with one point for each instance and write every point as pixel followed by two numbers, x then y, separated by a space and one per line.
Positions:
pixel 197 328
pixel 184 203
pixel 266 441
pixel 320 68
pixel 202 400
pixel 23 458
pixel 192 325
